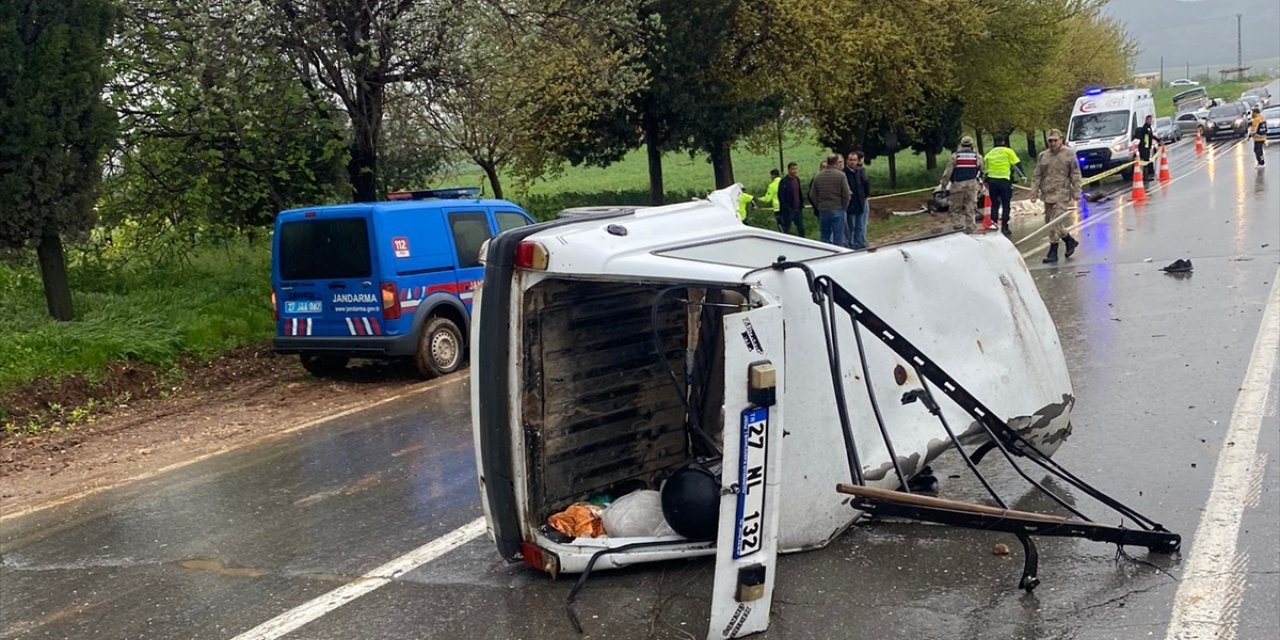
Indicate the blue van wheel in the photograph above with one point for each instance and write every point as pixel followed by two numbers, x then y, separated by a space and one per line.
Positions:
pixel 440 348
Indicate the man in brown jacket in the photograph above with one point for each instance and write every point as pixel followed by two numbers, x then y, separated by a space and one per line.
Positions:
pixel 830 195
pixel 1057 182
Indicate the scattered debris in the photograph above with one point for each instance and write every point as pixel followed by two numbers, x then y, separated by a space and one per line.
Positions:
pixel 1178 266
pixel 1146 259
pixel 1001 549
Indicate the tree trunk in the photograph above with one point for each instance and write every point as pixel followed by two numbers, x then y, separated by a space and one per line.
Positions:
pixel 977 137
pixel 893 169
pixel 722 164
pixel 491 172
pixel 53 273
pixel 653 147
pixel 930 159
pixel 1031 144
pixel 366 128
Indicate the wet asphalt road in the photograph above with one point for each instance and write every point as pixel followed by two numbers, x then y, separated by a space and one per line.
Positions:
pixel 217 548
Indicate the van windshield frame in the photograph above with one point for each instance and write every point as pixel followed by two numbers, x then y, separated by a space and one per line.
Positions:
pixel 1100 125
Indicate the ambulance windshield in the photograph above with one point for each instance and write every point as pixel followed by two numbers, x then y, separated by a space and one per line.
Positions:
pixel 1092 126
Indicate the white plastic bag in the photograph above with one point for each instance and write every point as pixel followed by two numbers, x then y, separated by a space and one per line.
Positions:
pixel 636 515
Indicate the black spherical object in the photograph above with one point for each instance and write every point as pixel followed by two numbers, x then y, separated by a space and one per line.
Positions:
pixel 691 503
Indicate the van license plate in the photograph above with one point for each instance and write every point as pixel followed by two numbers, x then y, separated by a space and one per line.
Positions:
pixel 1091 167
pixel 302 306
pixel 748 537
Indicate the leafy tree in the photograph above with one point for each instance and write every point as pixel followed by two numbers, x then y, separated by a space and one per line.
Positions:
pixel 217 130
pixel 355 50
pixel 56 125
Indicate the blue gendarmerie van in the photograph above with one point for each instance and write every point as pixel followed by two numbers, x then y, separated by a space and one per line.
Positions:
pixel 383 279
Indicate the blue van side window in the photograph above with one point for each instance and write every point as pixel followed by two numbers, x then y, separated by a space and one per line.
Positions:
pixel 325 249
pixel 470 230
pixel 510 220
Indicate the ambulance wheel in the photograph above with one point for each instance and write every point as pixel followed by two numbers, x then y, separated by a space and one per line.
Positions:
pixel 440 350
pixel 323 366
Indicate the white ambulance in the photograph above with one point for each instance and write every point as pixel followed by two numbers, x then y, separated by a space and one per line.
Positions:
pixel 771 389
pixel 1104 122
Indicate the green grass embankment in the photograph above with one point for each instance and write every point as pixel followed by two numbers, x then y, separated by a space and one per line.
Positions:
pixel 218 299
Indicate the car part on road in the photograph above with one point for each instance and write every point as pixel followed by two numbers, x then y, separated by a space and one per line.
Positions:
pixel 829 295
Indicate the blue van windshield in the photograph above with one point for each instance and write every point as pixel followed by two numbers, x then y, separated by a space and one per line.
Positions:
pixel 325 249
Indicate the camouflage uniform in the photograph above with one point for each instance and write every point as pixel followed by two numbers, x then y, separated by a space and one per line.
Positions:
pixel 962 171
pixel 1057 183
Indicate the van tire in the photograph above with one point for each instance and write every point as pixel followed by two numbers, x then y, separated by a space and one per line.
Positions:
pixel 440 348
pixel 323 366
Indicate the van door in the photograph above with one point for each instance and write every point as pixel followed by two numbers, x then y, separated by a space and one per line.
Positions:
pixel 327 283
pixel 469 230
pixel 747 542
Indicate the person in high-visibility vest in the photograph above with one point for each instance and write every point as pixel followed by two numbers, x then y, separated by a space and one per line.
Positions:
pixel 1147 141
pixel 1258 129
pixel 770 197
pixel 744 200
pixel 1001 163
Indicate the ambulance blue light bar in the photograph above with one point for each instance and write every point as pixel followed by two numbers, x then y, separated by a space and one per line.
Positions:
pixel 452 193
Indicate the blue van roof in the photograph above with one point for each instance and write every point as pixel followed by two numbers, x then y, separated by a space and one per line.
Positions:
pixel 351 207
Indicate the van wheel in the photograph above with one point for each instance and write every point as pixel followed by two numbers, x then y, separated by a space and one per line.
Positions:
pixel 439 348
pixel 323 366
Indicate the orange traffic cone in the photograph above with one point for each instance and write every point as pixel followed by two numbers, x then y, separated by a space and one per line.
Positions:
pixel 1164 167
pixel 987 222
pixel 1199 142
pixel 1139 192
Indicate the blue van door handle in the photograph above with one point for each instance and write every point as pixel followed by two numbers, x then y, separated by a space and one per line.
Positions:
pixel 337 285
pixel 366 284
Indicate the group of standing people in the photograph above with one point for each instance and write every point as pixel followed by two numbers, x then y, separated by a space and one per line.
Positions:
pixel 1057 182
pixel 840 192
pixel 839 195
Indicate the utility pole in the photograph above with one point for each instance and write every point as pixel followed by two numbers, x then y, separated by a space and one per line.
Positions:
pixel 1188 76
pixel 1161 85
pixel 1239 50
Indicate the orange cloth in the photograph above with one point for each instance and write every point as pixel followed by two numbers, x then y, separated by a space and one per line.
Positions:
pixel 580 519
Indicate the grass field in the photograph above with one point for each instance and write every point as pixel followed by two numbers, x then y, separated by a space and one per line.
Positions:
pixel 219 299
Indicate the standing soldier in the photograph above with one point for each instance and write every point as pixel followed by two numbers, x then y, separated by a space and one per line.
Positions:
pixel 1057 182
pixel 963 169
pixel 1001 162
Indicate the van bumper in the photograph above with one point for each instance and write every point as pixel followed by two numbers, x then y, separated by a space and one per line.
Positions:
pixel 350 346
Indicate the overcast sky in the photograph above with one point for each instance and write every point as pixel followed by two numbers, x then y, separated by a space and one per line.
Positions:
pixel 1201 32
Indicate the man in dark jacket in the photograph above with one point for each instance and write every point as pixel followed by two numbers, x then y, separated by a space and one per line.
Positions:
pixel 791 201
pixel 830 194
pixel 860 190
pixel 1147 141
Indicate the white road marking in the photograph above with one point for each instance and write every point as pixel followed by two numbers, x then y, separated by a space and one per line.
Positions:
pixel 379 577
pixel 1207 604
pixel 265 438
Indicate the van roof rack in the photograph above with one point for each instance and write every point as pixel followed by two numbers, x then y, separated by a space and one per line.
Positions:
pixel 597 210
pixel 451 193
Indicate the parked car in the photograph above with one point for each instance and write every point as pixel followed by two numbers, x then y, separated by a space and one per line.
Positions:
pixel 1167 130
pixel 1272 114
pixel 1191 121
pixel 1227 120
pixel 1261 95
pixel 383 279
pixel 1183 82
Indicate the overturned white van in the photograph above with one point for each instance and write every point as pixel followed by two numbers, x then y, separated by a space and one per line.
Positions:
pixel 676 347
